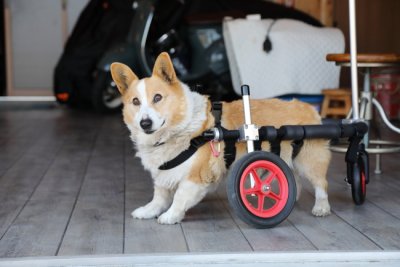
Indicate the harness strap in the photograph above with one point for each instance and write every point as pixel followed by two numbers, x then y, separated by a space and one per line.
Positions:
pixel 229 152
pixel 216 110
pixel 296 145
pixel 257 145
pixel 195 144
pixel 276 147
pixel 230 145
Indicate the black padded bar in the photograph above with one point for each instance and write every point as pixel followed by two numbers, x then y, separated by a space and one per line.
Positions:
pixel 245 89
pixel 322 131
pixel 267 133
pixel 297 132
pixel 361 127
pixel 224 134
pixel 291 132
pixel 300 132
pixel 231 134
pixel 348 130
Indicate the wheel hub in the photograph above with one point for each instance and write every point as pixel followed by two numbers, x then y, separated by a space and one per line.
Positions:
pixel 265 189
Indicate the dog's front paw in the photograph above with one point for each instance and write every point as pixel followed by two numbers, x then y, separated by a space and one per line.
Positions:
pixel 144 213
pixel 321 208
pixel 170 217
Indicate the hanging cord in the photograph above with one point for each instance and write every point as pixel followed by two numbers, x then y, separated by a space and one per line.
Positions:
pixel 267 45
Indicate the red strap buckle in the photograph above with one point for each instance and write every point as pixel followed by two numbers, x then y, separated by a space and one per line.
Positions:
pixel 216 151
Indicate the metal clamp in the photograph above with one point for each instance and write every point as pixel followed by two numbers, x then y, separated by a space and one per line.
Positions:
pixel 249 132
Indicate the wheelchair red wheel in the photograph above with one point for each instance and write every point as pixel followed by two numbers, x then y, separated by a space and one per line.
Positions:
pixel 261 189
pixel 264 197
pixel 359 181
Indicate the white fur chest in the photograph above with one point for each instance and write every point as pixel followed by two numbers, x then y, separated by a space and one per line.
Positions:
pixel 153 158
pixel 171 178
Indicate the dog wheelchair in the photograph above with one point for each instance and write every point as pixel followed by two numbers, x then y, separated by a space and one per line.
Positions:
pixel 261 187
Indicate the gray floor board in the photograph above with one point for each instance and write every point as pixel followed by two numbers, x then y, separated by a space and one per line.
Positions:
pixel 330 232
pixel 95 228
pixel 49 207
pixel 376 224
pixel 18 141
pixel 38 229
pixel 96 225
pixel 209 226
pixel 19 182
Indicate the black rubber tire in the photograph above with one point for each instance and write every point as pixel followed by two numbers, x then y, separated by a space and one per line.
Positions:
pixel 234 196
pixel 105 95
pixel 358 185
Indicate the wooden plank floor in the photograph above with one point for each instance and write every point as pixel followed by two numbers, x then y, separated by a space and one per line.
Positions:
pixel 69 181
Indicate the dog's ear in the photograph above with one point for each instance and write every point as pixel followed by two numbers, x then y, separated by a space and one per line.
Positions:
pixel 164 68
pixel 122 75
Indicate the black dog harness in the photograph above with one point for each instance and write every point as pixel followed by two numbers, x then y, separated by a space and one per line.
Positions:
pixel 197 142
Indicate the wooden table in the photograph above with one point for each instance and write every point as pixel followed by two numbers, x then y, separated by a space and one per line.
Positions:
pixel 366 60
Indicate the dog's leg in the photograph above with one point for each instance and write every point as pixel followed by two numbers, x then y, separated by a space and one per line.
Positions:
pixel 321 206
pixel 286 155
pixel 320 185
pixel 298 184
pixel 312 163
pixel 187 195
pixel 161 201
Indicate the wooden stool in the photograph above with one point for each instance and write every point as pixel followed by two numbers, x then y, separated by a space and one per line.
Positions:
pixel 336 103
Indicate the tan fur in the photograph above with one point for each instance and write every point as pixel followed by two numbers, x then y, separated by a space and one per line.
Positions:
pixel 202 171
pixel 123 76
pixel 182 115
pixel 172 96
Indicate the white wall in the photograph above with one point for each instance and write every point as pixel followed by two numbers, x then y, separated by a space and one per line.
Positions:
pixel 36 42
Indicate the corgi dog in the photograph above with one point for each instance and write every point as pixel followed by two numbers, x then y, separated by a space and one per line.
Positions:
pixel 164 115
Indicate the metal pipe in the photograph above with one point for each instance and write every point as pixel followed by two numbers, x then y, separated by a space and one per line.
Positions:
pixel 384 117
pixel 353 58
pixel 247 113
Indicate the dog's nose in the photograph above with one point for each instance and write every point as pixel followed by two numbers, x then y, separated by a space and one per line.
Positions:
pixel 146 124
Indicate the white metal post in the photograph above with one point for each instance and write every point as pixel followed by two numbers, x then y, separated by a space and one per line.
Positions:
pixel 353 58
pixel 247 113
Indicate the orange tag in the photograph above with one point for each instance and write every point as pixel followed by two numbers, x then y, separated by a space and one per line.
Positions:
pixel 215 151
pixel 62 97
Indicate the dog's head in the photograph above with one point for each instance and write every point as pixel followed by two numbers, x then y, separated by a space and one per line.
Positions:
pixel 154 103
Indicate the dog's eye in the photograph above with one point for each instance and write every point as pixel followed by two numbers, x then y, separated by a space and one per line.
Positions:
pixel 157 98
pixel 136 101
